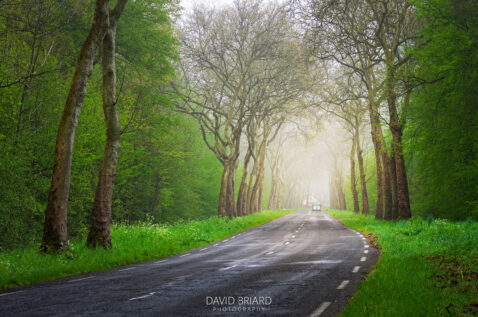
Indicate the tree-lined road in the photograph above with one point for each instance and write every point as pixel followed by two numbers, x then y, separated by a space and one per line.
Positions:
pixel 302 264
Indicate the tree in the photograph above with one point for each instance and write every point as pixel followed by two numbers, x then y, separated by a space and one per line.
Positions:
pixel 99 233
pixel 396 27
pixel 238 70
pixel 344 102
pixel 370 38
pixel 55 236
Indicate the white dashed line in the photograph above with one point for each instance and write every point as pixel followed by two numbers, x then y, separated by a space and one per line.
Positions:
pixel 203 249
pixel 81 279
pixel 363 259
pixel 229 267
pixel 144 296
pixel 293 236
pixel 356 269
pixel 269 253
pixel 5 294
pixel 366 246
pixel 320 310
pixel 287 243
pixel 226 240
pixel 185 254
pixel 130 268
pixel 157 262
pixel 365 251
pixel 363 238
pixel 343 284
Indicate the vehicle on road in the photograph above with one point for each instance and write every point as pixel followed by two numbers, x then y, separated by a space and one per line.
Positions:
pixel 316 207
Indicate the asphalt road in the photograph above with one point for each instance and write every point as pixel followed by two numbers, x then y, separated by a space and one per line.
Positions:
pixel 303 264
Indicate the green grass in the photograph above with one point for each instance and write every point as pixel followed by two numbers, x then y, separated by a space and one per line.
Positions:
pixel 427 268
pixel 131 244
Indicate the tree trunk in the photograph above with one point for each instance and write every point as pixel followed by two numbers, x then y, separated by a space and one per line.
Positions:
pixel 396 129
pixel 378 164
pixel 222 208
pixel 255 194
pixel 352 177
pixel 230 197
pixel 55 234
pixel 363 182
pixel 99 233
pixel 273 193
pixel 393 181
pixel 340 189
pixel 242 194
pixel 332 193
pixel 280 193
pixel 387 177
pixel 21 109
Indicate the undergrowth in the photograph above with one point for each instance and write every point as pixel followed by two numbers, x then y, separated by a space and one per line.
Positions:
pixel 131 244
pixel 428 267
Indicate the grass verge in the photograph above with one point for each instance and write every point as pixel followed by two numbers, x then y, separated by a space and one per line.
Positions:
pixel 427 268
pixel 131 244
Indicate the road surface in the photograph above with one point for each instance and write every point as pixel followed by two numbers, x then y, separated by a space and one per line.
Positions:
pixel 303 264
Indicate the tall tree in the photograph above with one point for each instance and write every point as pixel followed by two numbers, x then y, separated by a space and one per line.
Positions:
pixel 353 183
pixel 396 27
pixel 55 236
pixel 238 69
pixel 99 233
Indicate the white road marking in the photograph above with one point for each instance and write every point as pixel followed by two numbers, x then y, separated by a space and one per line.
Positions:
pixel 363 259
pixel 144 296
pixel 130 268
pixel 314 262
pixel 229 267
pixel 356 269
pixel 365 251
pixel 157 262
pixel 363 238
pixel 343 284
pixel 226 240
pixel 203 249
pixel 81 279
pixel 287 242
pixel 185 254
pixel 320 310
pixel 269 253
pixel 293 236
pixel 5 294
pixel 366 246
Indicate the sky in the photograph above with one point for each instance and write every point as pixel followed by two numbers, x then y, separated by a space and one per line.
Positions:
pixel 189 4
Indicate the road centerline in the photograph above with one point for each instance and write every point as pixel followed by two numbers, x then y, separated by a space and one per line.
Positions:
pixel 343 284
pixel 319 311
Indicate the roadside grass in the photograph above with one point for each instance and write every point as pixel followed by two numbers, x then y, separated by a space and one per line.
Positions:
pixel 131 244
pixel 428 267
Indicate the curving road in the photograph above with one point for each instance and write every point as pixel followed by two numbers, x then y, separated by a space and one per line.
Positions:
pixel 303 264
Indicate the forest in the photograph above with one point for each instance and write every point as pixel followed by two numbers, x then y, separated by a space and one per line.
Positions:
pixel 138 111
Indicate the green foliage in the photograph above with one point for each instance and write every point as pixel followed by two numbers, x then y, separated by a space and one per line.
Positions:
pixel 442 122
pixel 132 244
pixel 165 172
pixel 426 267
